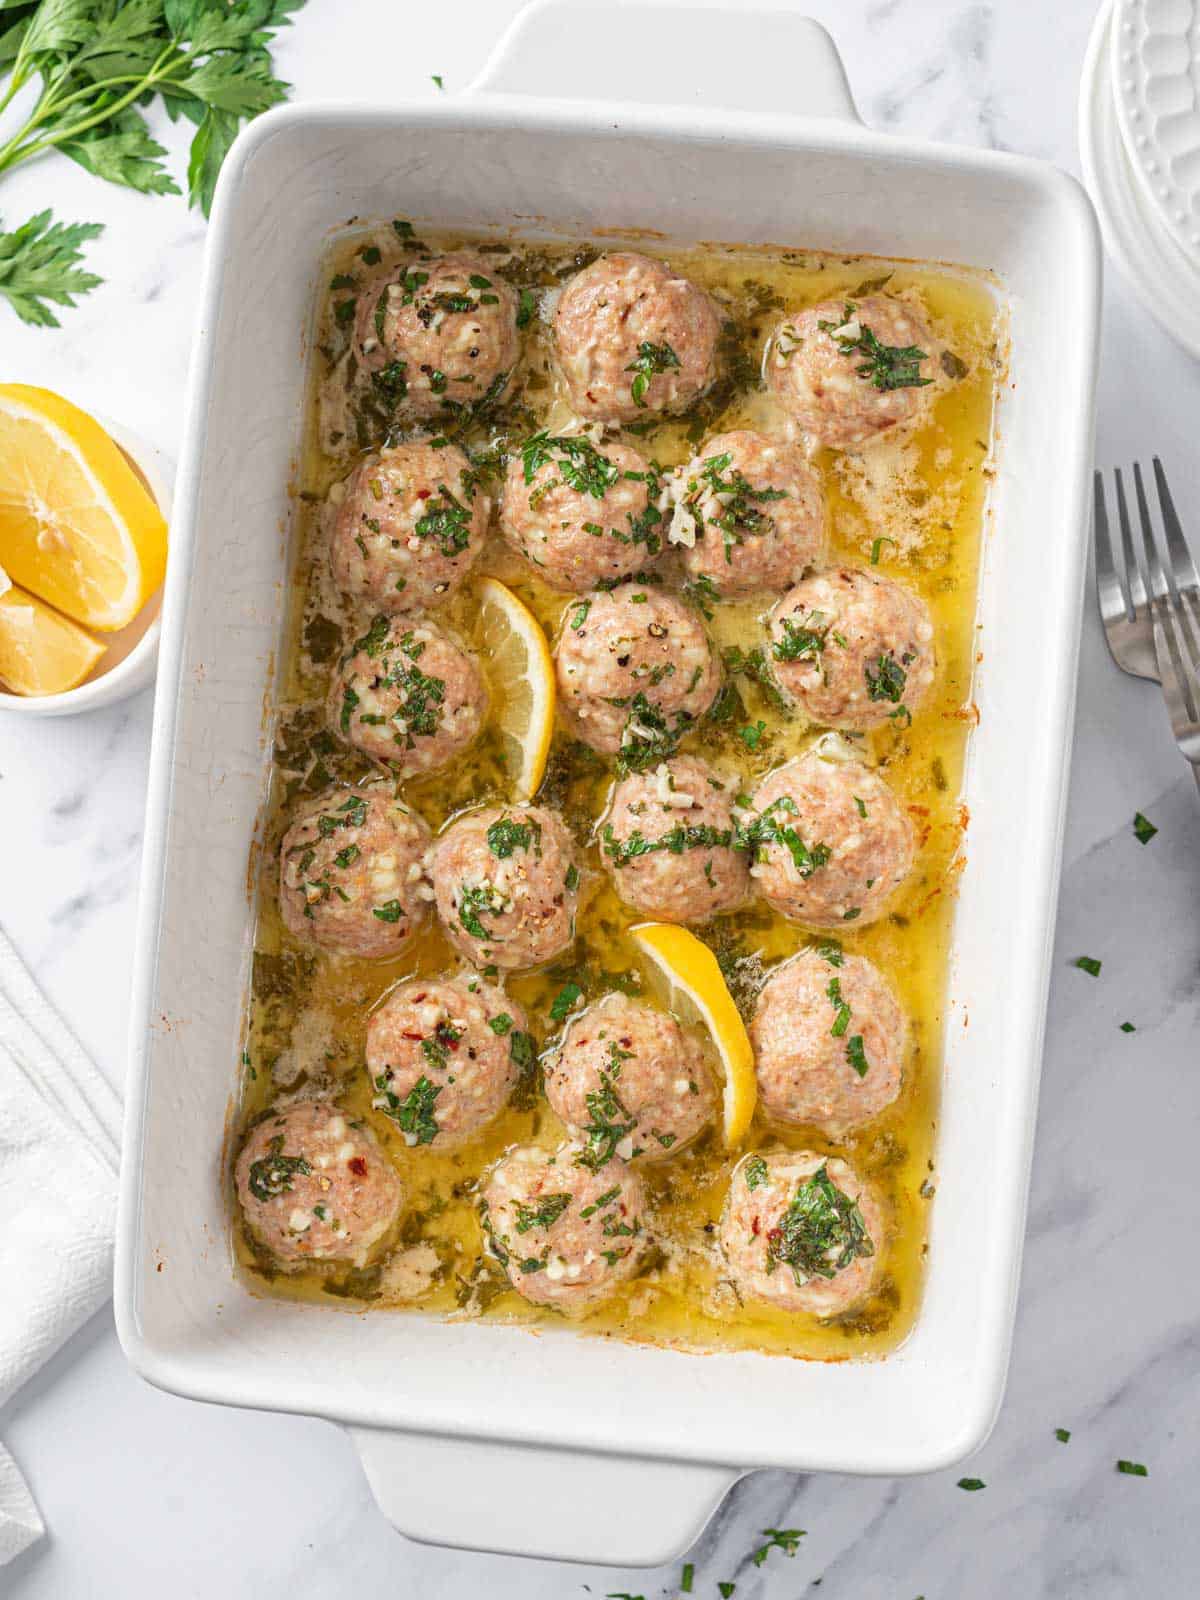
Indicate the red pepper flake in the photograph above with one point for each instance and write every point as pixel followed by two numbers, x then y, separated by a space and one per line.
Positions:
pixel 358 1166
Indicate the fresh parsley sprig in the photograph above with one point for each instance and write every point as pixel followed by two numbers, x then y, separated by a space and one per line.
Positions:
pixel 100 63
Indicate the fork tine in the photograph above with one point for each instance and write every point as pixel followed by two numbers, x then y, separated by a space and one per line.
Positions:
pixel 1110 589
pixel 1179 678
pixel 1133 572
pixel 1184 568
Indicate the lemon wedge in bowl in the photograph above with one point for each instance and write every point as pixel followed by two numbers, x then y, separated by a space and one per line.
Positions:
pixel 522 676
pixel 686 974
pixel 78 527
pixel 41 652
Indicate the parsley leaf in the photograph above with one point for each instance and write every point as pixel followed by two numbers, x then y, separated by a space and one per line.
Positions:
pixel 1088 964
pixel 564 1000
pixel 39 263
pixel 1143 829
pixel 651 358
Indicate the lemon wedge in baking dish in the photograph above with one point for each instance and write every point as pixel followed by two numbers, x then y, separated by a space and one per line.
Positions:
pixel 41 652
pixel 687 975
pixel 78 527
pixel 522 676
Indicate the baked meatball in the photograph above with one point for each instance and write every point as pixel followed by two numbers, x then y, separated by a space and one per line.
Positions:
pixel 801 1231
pixel 408 696
pixel 628 1081
pixel 444 1056
pixel 438 333
pixel 831 841
pixel 749 514
pixel 635 671
pixel 829 1041
pixel 315 1187
pixel 507 885
pixel 581 512
pixel 669 840
pixel 633 338
pixel 354 873
pixel 852 648
pixel 849 370
pixel 406 526
pixel 568 1234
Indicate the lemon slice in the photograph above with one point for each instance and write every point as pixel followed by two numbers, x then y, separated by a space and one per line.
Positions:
pixel 522 675
pixel 687 974
pixel 41 652
pixel 77 525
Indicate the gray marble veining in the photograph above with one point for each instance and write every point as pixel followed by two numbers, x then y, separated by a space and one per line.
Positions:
pixel 142 1491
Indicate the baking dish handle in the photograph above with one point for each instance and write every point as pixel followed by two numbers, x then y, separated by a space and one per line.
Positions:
pixel 515 1499
pixel 730 58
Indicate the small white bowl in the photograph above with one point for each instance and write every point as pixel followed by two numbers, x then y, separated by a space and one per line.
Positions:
pixel 129 662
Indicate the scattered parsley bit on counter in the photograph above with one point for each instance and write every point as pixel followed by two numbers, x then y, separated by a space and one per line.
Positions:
pixel 726 1588
pixel 785 1539
pixel 1128 1027
pixel 1132 1469
pixel 1062 1435
pixel 1143 829
pixel 1088 964
pixel 437 78
pixel 971 1484
pixel 564 1000
pixel 685 1579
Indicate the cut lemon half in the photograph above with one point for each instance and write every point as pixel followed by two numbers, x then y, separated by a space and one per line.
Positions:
pixel 41 651
pixel 522 676
pixel 78 527
pixel 687 975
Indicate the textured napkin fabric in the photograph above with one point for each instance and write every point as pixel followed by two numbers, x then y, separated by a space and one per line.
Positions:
pixel 59 1143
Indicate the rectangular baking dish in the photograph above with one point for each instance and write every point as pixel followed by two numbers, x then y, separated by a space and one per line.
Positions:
pixel 482 1435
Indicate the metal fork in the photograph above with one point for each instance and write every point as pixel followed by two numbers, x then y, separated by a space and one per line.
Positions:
pixel 1151 609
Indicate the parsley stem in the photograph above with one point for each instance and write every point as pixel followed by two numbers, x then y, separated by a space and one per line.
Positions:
pixel 15 152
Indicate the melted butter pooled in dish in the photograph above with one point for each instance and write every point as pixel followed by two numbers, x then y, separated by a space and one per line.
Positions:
pixel 752 539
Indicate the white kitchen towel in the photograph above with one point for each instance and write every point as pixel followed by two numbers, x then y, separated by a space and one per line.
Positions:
pixel 59 1143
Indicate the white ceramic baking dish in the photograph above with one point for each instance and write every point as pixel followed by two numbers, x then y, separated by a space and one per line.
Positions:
pixel 488 1436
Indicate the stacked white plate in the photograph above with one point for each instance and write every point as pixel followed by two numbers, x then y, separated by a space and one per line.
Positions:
pixel 1139 138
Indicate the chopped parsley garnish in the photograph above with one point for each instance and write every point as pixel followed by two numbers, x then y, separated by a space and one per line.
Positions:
pixel 376 636
pixel 349 701
pixel 414 1114
pixel 526 307
pixel 501 1024
pixel 571 881
pixel 821 1232
pixel 542 1215
pixel 580 465
pixel 885 678
pixel 756 1172
pixel 785 1539
pixel 389 911
pixel 1128 1027
pixel 272 1175
pixel 725 1588
pixel 831 951
pixel 1143 829
pixel 765 829
pixel 421 696
pixel 1088 964
pixel 877 547
pixel 887 366
pixel 686 1577
pixel 751 735
pixel 971 1484
pixel 737 515
pixel 610 1120
pixel 802 641
pixel 477 900
pixel 351 813
pixel 564 1000
pixel 347 857
pixel 579 614
pixel 697 836
pixel 505 836
pixel 1132 1469
pixel 520 1050
pixel 436 1049
pixel 448 523
pixel 651 359
pixel 648 737
pixel 841 1018
pixel 437 79
pixel 606 1199
pixel 856 1055
pixel 1062 1435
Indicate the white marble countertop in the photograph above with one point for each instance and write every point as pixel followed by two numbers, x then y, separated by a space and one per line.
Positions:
pixel 146 1494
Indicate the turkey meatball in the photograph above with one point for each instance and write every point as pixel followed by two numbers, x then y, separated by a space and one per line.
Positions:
pixel 669 841
pixel 407 695
pixel 568 1233
pixel 831 841
pixel 354 873
pixel 829 1041
pixel 635 671
pixel 627 1080
pixel 314 1187
pixel 852 648
pixel 406 527
pixel 801 1231
pixel 633 338
pixel 507 885
pixel 849 370
pixel 581 512
pixel 438 333
pixel 444 1057
pixel 750 514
